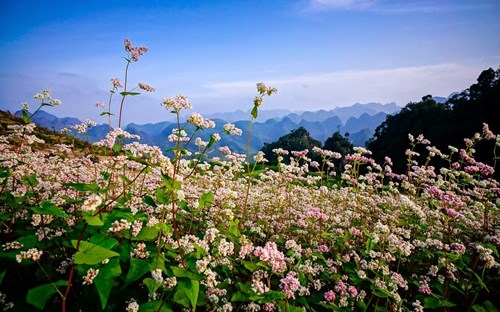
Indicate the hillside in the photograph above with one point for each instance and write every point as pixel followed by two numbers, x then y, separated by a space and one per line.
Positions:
pixel 50 137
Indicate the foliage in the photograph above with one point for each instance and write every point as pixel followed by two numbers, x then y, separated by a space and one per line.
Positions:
pixel 297 140
pixel 136 230
pixel 443 124
pixel 340 144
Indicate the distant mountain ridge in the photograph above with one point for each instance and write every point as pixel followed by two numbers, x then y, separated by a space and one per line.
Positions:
pixel 359 120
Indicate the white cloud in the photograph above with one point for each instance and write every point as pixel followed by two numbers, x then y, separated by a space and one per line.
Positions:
pixel 328 90
pixel 303 92
pixel 318 5
pixel 394 7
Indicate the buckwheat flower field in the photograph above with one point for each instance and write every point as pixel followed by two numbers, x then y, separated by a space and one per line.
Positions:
pixel 126 228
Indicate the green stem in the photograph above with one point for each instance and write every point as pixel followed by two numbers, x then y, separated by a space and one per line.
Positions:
pixel 123 96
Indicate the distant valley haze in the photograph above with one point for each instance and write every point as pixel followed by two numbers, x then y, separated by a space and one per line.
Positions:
pixel 358 121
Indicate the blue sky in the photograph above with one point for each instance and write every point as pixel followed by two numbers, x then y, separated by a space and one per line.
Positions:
pixel 320 54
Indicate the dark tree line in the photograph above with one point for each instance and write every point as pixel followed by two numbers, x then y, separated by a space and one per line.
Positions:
pixel 444 124
pixel 461 116
pixel 300 139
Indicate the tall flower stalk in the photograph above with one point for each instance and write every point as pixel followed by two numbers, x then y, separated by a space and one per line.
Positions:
pixel 262 91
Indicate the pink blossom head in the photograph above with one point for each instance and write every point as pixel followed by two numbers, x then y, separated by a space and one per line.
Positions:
pixel 135 52
pixel 329 296
pixel 452 213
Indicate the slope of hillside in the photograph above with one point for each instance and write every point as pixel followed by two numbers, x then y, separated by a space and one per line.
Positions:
pixel 50 137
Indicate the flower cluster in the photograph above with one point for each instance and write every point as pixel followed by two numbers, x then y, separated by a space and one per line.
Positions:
pixel 33 254
pixel 270 254
pixel 135 52
pixel 91 203
pixel 177 103
pixel 146 87
pixel 91 275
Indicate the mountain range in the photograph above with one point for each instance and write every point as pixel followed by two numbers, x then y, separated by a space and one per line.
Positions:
pixel 358 120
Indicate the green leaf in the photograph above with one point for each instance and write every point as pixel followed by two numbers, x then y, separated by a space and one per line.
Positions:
pixel 151 284
pixel 136 270
pixel 153 306
pixel 5 172
pixel 250 266
pixel 239 296
pixel 48 208
pixel 106 278
pixel 103 241
pixel 26 117
pixel 124 179
pixel 381 293
pixel 31 180
pixel 294 309
pixel 106 175
pixel 180 297
pixel 125 93
pixel 432 302
pixel 91 254
pixel 106 113
pixel 245 287
pixel 148 200
pixel 187 293
pixel 490 306
pixel 39 295
pixel 254 111
pixel 28 241
pixel 91 187
pixel 162 197
pixel 234 228
pixel 184 206
pixel 486 306
pixel 92 220
pixel 180 272
pixel 253 266
pixel 117 147
pixel 2 276
pixel 369 244
pixel 170 183
pixel 271 296
pixel 206 200
pixel 147 234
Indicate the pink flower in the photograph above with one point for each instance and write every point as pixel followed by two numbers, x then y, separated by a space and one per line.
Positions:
pixel 452 213
pixel 458 247
pixel 353 291
pixel 487 132
pixel 435 191
pixel 135 52
pixel 116 83
pixel 290 284
pixel 146 87
pixel 322 248
pixel 300 154
pixel 272 255
pixel 329 296
pixel 341 287
pixel 425 289
pixel 354 231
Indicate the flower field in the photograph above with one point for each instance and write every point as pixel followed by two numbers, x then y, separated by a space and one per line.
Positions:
pixel 126 228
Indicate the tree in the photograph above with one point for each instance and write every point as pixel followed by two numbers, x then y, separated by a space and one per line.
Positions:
pixel 297 140
pixel 340 144
pixel 443 124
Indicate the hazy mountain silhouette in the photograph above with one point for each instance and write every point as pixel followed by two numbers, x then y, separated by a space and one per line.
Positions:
pixel 359 120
